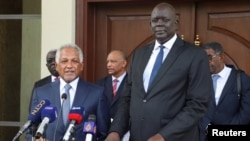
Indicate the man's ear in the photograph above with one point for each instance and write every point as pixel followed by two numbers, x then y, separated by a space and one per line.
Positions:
pixel 223 57
pixel 82 66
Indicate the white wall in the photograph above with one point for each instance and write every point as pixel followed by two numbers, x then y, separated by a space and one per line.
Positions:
pixel 58 26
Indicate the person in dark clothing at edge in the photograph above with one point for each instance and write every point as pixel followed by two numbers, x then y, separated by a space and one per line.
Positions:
pixel 227 106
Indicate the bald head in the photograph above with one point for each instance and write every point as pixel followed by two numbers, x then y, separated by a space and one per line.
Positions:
pixel 164 6
pixel 116 63
pixel 163 22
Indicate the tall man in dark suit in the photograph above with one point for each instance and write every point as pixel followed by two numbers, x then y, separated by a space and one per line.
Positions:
pixel 170 107
pixel 69 64
pixel 227 106
pixel 50 63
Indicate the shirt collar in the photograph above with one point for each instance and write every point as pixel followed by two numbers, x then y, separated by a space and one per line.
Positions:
pixel 120 78
pixel 168 44
pixel 53 78
pixel 224 72
pixel 73 83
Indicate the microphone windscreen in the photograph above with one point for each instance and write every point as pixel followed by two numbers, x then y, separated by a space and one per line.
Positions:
pixel 50 112
pixel 90 125
pixel 35 115
pixel 76 113
pixel 64 96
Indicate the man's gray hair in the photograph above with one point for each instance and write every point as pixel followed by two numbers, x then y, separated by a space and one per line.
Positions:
pixel 70 45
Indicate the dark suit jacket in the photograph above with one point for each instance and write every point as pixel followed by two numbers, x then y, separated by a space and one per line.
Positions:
pixel 43 81
pixel 177 99
pixel 231 109
pixel 40 83
pixel 89 96
pixel 106 82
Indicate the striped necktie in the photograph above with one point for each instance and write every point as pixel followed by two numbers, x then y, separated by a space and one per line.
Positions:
pixel 115 81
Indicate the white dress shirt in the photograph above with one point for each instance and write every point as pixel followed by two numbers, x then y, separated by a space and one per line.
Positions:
pixel 221 81
pixel 147 72
pixel 119 80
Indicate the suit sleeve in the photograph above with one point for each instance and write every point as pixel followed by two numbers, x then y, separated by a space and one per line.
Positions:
pixel 242 116
pixel 103 117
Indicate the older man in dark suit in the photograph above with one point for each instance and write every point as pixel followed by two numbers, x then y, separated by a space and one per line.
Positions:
pixel 164 105
pixel 116 66
pixel 114 82
pixel 69 64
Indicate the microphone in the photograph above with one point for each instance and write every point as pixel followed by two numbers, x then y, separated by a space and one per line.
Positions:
pixel 90 128
pixel 75 117
pixel 64 97
pixel 34 117
pixel 49 114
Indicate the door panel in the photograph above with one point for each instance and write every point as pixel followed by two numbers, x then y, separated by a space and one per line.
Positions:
pixel 126 27
pixel 115 24
pixel 227 23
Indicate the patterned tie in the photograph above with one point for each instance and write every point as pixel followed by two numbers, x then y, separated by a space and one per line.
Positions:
pixel 215 78
pixel 115 81
pixel 157 65
pixel 66 104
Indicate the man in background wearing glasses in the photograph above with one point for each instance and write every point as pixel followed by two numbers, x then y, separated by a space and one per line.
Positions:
pixel 227 106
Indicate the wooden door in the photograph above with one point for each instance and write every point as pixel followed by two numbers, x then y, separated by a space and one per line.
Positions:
pixel 123 28
pixel 227 22
pixel 124 24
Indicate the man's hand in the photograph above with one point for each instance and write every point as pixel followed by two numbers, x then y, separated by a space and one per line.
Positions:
pixel 156 137
pixel 113 136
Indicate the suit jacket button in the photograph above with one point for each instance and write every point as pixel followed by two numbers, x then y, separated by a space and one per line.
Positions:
pixel 144 101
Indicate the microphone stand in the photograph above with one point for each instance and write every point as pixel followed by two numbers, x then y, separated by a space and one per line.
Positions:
pixel 33 132
pixel 43 135
pixel 73 134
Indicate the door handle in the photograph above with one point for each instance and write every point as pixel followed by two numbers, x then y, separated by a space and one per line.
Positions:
pixel 197 40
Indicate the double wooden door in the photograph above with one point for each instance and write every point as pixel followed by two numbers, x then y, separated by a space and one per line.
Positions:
pixel 103 26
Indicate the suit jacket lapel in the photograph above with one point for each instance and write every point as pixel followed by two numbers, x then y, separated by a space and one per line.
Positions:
pixel 80 95
pixel 145 57
pixel 56 90
pixel 119 91
pixel 57 99
pixel 228 88
pixel 109 91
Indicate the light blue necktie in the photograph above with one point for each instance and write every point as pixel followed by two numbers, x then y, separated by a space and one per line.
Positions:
pixel 157 65
pixel 215 78
pixel 66 104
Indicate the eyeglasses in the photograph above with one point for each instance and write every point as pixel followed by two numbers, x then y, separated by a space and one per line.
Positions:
pixel 210 57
